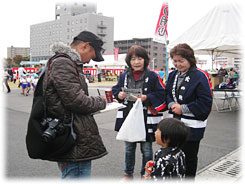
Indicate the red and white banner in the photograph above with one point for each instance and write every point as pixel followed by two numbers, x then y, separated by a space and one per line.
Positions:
pixel 161 32
pixel 224 64
pixel 116 52
pixel 29 70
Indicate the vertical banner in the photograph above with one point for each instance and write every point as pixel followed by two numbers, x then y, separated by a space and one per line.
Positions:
pixel 201 64
pixel 116 52
pixel 224 64
pixel 161 33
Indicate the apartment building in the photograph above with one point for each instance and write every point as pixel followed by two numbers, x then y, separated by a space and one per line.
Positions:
pixel 156 51
pixel 13 51
pixel 70 19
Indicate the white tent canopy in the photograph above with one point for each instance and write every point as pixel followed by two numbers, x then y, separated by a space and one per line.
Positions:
pixel 218 33
pixel 110 61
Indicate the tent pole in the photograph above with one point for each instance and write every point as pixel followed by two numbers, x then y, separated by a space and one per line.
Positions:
pixel 212 59
pixel 166 56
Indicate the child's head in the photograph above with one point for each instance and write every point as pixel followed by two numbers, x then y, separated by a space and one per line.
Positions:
pixel 137 51
pixel 172 132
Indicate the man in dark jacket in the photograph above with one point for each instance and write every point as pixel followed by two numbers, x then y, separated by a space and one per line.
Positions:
pixel 67 93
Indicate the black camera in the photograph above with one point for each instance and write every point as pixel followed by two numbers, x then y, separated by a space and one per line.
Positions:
pixel 53 127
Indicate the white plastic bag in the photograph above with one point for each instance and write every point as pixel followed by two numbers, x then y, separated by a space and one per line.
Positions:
pixel 133 127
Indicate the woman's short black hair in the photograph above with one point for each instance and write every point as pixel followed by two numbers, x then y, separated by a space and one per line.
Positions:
pixel 138 51
pixel 174 131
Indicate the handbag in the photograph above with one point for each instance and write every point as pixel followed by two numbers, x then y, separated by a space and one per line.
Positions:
pixel 133 127
pixel 37 146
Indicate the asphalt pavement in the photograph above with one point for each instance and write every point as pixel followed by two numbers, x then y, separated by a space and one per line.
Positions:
pixel 222 136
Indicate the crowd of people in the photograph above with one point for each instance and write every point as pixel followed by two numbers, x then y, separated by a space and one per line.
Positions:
pixel 187 96
pixel 27 81
pixel 230 77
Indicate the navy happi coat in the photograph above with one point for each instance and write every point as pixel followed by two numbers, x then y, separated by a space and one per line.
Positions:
pixel 196 94
pixel 152 86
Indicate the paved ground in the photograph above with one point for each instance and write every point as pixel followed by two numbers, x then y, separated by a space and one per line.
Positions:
pixel 227 168
pixel 221 138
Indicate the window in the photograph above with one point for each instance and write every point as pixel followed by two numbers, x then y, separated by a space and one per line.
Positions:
pixel 58 17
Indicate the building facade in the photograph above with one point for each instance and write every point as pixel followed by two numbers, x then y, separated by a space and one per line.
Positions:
pixel 156 51
pixel 70 19
pixel 13 51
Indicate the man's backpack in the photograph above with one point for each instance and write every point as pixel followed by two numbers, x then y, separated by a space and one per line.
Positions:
pixel 37 147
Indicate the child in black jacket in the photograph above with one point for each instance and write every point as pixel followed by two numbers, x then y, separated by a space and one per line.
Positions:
pixel 170 159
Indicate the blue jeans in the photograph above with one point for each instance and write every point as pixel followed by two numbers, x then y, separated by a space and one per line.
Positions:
pixel 130 148
pixel 75 170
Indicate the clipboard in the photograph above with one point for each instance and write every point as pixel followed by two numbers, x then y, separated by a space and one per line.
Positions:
pixel 111 106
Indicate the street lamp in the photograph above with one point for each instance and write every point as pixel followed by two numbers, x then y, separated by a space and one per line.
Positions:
pixel 153 63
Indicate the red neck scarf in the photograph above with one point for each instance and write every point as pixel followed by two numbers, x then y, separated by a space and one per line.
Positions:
pixel 137 74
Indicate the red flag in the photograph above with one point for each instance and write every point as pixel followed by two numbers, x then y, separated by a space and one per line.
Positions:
pixel 161 28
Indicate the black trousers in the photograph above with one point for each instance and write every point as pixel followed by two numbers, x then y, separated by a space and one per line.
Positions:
pixel 191 148
pixel 99 77
pixel 7 85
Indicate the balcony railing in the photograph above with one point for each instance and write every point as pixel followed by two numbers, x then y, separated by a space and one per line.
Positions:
pixel 103 26
pixel 101 32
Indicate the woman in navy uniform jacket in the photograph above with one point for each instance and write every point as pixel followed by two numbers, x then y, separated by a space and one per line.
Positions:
pixel 138 76
pixel 189 98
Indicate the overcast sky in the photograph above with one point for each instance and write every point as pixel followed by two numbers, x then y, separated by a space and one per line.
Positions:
pixel 132 18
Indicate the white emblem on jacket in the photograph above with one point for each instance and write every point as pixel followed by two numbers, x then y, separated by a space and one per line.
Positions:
pixel 182 88
pixel 187 79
